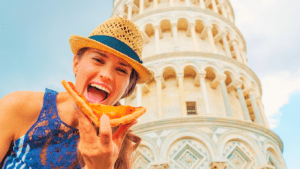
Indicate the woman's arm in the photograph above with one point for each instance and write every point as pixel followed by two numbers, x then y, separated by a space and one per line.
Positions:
pixel 18 111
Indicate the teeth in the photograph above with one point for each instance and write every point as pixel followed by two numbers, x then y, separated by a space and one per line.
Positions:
pixel 101 88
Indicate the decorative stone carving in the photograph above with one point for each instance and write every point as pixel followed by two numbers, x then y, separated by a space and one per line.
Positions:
pixel 266 166
pixel 190 154
pixel 238 155
pixel 160 166
pixel 144 156
pixel 218 165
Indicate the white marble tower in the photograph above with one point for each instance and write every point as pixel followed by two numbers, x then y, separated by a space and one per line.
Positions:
pixel 204 107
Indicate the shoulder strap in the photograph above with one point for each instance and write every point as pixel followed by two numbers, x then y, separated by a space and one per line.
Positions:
pixel 49 105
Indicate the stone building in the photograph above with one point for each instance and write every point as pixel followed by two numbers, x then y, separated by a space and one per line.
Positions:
pixel 204 107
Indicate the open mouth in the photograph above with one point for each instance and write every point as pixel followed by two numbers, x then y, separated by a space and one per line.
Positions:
pixel 97 93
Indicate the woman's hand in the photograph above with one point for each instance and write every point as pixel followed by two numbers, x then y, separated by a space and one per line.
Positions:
pixel 102 151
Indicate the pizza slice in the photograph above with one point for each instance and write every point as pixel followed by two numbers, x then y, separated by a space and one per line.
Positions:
pixel 117 114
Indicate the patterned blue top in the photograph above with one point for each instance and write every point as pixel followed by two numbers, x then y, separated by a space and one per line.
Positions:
pixel 49 143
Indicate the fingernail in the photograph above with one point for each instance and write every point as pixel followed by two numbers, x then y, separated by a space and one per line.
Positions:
pixel 104 116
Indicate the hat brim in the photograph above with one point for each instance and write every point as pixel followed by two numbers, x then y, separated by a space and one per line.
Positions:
pixel 78 42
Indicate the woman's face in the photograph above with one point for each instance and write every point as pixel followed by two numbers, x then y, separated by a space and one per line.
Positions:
pixel 101 77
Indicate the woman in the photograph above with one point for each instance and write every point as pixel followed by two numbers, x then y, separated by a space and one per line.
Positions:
pixel 45 127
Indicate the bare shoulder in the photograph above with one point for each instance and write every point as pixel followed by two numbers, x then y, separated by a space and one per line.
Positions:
pixel 19 110
pixel 22 100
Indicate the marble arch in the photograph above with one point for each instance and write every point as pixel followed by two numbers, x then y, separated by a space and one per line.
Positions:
pixel 146 25
pixel 153 70
pixel 167 19
pixel 191 133
pixel 189 63
pixel 245 80
pixel 231 73
pixel 231 70
pixel 148 29
pixel 152 146
pixel 163 67
pixel 210 65
pixel 268 145
pixel 234 135
pixel 182 16
pixel 202 20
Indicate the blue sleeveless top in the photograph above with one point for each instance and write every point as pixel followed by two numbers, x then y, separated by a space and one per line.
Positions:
pixel 49 143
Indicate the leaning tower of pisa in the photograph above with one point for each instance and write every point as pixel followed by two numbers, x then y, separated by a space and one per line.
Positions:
pixel 204 107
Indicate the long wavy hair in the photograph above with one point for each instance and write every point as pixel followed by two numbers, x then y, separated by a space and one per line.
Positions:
pixel 131 141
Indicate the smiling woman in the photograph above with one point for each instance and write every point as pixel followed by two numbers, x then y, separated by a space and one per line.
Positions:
pixel 96 64
pixel 45 133
pixel 133 74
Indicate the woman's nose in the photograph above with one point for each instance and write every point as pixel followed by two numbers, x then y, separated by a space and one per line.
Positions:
pixel 106 75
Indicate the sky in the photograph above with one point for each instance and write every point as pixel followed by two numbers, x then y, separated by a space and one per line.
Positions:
pixel 35 52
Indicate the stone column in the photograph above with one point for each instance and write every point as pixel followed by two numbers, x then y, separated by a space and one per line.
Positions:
pixel 155 4
pixel 255 107
pixel 229 14
pixel 218 165
pixel 202 4
pixel 214 5
pixel 242 101
pixel 187 2
pixel 243 53
pixel 204 93
pixel 192 27
pixel 156 32
pixel 175 36
pixel 226 45
pixel 139 94
pixel 129 5
pixel 211 39
pixel 261 107
pixel 224 12
pixel 142 6
pixel 225 96
pixel 159 97
pixel 236 51
pixel 182 95
pixel 171 3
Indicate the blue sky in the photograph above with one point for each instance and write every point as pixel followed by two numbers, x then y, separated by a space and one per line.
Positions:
pixel 35 52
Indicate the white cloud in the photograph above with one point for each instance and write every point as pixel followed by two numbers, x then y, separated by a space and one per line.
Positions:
pixel 277 89
pixel 267 25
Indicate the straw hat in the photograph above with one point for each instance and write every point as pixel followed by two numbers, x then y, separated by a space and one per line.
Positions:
pixel 117 36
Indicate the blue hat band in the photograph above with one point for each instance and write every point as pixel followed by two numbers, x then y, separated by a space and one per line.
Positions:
pixel 117 45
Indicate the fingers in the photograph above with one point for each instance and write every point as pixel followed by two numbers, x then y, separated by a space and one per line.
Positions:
pixel 105 132
pixel 87 131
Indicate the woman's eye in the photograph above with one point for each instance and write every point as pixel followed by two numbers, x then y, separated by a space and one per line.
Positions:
pixel 123 71
pixel 98 60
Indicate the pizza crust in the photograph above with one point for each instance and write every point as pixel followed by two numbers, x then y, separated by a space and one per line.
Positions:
pixel 128 118
pixel 89 112
pixel 81 103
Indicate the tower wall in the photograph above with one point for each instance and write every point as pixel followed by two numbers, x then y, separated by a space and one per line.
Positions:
pixel 204 107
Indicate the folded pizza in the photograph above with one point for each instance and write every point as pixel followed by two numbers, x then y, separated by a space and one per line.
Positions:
pixel 117 114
